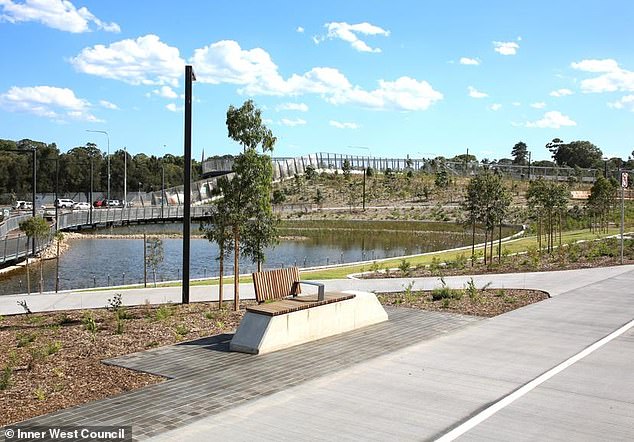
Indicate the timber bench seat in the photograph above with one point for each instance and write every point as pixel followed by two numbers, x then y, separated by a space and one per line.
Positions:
pixel 283 319
pixel 288 305
pixel 273 289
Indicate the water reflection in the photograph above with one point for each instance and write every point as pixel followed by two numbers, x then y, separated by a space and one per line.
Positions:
pixel 96 262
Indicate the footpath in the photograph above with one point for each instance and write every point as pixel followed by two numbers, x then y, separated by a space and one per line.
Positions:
pixel 560 369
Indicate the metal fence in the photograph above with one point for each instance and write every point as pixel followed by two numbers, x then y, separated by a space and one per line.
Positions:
pixel 15 247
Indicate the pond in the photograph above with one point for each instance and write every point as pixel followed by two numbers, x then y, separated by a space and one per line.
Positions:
pixel 97 261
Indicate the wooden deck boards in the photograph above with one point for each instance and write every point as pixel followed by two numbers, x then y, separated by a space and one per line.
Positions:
pixel 288 305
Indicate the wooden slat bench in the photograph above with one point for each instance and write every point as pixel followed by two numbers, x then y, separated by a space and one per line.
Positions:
pixel 283 319
pixel 277 293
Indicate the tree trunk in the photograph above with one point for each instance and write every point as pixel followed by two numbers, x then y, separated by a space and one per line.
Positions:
pixel 221 278
pixel 500 243
pixel 486 239
pixel 559 229
pixel 491 247
pixel 28 276
pixel 154 276
pixel 539 233
pixel 236 269
pixel 41 273
pixel 57 268
pixel 472 243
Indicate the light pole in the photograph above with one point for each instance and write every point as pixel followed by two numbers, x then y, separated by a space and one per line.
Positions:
pixel 162 181
pixel 364 170
pixel 125 177
pixel 108 139
pixel 605 167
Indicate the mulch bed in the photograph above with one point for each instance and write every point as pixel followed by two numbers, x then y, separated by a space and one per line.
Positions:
pixel 52 360
pixel 479 302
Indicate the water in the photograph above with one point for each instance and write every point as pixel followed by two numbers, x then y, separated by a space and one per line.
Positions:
pixel 96 262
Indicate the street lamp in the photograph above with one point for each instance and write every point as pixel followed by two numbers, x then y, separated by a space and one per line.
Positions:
pixel 108 139
pixel 605 167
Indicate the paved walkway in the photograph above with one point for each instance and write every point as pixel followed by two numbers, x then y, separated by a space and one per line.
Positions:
pixel 552 282
pixel 560 369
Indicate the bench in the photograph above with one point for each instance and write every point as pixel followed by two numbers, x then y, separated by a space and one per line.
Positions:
pixel 277 293
pixel 282 318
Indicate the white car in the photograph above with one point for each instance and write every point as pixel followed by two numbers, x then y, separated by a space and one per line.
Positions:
pixel 81 206
pixel 63 203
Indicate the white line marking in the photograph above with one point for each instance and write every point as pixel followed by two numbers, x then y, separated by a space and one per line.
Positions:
pixel 507 400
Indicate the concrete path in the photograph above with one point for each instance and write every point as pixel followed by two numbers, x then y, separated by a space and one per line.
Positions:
pixel 552 282
pixel 556 370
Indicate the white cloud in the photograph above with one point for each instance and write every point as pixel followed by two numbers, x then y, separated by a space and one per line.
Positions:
pixel 295 122
pixel 516 103
pixel 300 107
pixel 348 33
pixel 561 93
pixel 613 78
pixel 56 14
pixel 343 125
pixel 505 47
pixel 108 105
pixel 552 120
pixel 165 92
pixel 469 61
pixel 495 107
pixel 404 93
pixel 474 93
pixel 300 30
pixel 538 105
pixel 254 70
pixel 52 102
pixel 145 60
pixel 173 107
pixel 626 102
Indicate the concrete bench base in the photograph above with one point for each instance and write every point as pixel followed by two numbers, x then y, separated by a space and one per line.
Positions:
pixel 259 333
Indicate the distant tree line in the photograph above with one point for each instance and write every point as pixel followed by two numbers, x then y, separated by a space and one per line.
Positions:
pixel 144 173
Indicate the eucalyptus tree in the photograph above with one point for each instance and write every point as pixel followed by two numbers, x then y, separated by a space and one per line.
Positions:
pixel 549 199
pixel 35 228
pixel 248 195
pixel 601 201
pixel 486 201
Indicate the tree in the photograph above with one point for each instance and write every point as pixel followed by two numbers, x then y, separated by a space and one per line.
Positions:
pixel 346 168
pixel 549 199
pixel 248 194
pixel 217 229
pixel 601 200
pixel 520 153
pixel 154 255
pixel 486 201
pixel 577 153
pixel 246 127
pixel 35 228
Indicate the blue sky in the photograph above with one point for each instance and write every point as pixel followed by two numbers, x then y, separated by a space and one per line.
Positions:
pixel 378 78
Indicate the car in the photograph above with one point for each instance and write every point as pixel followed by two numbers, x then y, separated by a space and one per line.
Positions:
pixel 26 205
pixel 18 204
pixel 81 206
pixel 113 203
pixel 64 203
pixel 99 203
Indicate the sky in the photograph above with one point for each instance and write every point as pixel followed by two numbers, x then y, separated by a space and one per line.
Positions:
pixel 372 78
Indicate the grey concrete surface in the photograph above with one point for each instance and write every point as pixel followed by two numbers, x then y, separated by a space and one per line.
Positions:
pixel 425 390
pixel 552 282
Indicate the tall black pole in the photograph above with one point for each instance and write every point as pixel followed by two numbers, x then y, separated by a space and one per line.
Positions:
pixel 57 195
pixel 189 77
pixel 90 195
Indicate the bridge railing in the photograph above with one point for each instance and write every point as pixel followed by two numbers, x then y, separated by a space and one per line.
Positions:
pixel 15 247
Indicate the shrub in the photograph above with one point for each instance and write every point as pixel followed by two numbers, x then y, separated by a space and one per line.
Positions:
pixel 162 313
pixel 52 348
pixel 7 370
pixel 405 267
pixel 24 339
pixel 89 323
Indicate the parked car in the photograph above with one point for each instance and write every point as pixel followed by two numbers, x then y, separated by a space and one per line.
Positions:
pixel 18 204
pixel 113 203
pixel 63 203
pixel 99 203
pixel 26 205
pixel 81 206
